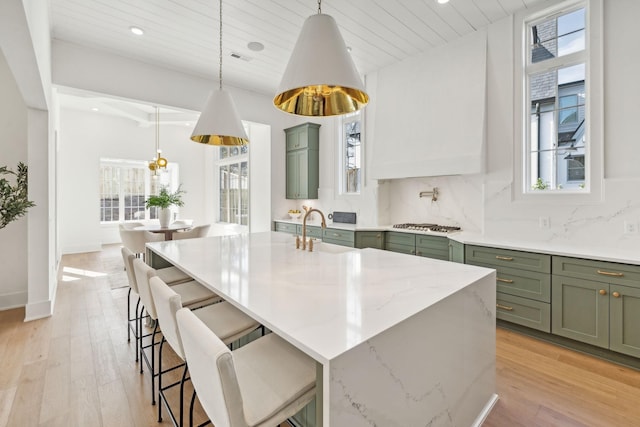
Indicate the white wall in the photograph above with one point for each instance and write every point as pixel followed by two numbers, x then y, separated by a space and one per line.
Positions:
pixel 13 149
pixel 485 202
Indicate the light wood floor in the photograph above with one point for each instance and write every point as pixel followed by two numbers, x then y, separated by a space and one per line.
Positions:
pixel 77 368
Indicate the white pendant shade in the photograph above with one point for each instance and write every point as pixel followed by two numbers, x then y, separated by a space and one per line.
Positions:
pixel 321 78
pixel 219 123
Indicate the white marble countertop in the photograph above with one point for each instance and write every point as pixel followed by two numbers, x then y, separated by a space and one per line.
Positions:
pixel 552 248
pixel 324 302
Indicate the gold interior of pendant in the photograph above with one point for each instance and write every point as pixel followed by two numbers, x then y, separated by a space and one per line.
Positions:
pixel 321 100
pixel 161 162
pixel 153 165
pixel 219 140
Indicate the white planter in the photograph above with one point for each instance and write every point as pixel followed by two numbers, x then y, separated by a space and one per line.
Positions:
pixel 164 215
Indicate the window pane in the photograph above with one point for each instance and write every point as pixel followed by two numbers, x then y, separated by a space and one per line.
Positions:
pixel 134 194
pixel 109 193
pixel 557 37
pixel 352 160
pixel 244 193
pixel 224 194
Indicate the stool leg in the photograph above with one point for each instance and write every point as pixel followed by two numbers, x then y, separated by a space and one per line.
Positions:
pixel 153 363
pixel 160 380
pixel 191 405
pixel 128 315
pixel 184 375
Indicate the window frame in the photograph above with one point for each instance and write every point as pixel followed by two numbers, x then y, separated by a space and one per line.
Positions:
pixel 341 154
pixel 226 161
pixel 523 68
pixel 172 172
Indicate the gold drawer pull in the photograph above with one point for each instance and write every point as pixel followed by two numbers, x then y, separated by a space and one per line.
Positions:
pixel 504 307
pixel 504 280
pixel 616 294
pixel 504 258
pixel 609 273
pixel 602 292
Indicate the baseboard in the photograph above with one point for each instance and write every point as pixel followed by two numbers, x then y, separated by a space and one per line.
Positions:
pixel 81 249
pixel 485 411
pixel 13 300
pixel 38 310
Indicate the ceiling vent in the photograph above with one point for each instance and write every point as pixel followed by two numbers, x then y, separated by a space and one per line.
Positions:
pixel 239 56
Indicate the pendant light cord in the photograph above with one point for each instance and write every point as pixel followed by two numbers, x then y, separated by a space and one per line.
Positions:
pixel 220 72
pixel 319 7
pixel 157 130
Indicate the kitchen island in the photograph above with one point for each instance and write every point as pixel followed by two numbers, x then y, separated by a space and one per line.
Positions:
pixel 399 340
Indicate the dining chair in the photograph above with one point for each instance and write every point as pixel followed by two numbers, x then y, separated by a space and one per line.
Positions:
pixel 195 232
pixel 262 383
pixel 193 295
pixel 129 225
pixel 135 240
pixel 223 319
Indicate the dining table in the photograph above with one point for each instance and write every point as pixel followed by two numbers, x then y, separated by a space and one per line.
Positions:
pixel 168 231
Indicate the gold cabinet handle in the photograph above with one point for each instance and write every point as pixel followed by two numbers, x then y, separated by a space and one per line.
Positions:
pixel 504 258
pixel 616 294
pixel 602 292
pixel 504 280
pixel 378 236
pixel 610 273
pixel 504 307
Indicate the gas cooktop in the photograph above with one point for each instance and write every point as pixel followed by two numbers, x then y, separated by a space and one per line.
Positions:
pixel 427 227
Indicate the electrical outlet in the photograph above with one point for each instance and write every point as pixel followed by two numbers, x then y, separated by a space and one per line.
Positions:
pixel 543 222
pixel 630 227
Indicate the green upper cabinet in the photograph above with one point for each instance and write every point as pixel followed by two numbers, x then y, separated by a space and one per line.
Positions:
pixel 303 161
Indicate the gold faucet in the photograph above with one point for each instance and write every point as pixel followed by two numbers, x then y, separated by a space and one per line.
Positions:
pixel 304 225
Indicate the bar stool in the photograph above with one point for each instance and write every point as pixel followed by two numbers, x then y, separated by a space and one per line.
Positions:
pixel 193 294
pixel 260 384
pixel 223 319
pixel 170 275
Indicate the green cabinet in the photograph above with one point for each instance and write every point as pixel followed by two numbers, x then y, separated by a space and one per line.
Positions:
pixel 404 243
pixel 597 302
pixel 456 251
pixel 302 161
pixel 286 227
pixel 369 239
pixel 523 284
pixel 339 237
pixel 432 247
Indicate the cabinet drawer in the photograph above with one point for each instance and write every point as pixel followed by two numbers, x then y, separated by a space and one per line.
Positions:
pixel 406 239
pixel 523 311
pixel 522 283
pixel 369 239
pixel 601 271
pixel 432 247
pixel 286 227
pixel 338 237
pixel 312 231
pixel 508 258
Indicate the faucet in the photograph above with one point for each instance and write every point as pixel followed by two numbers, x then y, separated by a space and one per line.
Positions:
pixel 304 226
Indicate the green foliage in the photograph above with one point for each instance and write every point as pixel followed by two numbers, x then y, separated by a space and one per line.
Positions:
pixel 14 200
pixel 165 199
pixel 540 185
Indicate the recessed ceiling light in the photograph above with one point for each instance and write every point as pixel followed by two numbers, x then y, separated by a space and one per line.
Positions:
pixel 443 1
pixel 255 46
pixel 137 31
pixel 95 109
pixel 348 48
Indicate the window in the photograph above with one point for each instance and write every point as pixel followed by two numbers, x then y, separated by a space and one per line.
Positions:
pixel 233 173
pixel 350 179
pixel 556 72
pixel 125 186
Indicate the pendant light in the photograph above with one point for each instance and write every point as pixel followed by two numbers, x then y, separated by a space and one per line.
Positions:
pixel 219 123
pixel 158 162
pixel 321 78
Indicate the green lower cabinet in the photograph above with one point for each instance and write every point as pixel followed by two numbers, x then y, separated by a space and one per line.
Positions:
pixel 404 243
pixel 523 283
pixel 312 231
pixel 307 415
pixel 339 237
pixel 432 247
pixel 286 227
pixel 456 251
pixel 369 239
pixel 624 321
pixel 523 311
pixel 580 310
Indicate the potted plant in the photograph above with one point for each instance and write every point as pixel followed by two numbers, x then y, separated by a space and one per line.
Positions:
pixel 164 200
pixel 14 200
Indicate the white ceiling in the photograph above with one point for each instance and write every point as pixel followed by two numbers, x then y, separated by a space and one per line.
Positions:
pixel 183 34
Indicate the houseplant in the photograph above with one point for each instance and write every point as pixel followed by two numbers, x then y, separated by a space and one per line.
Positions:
pixel 164 200
pixel 14 200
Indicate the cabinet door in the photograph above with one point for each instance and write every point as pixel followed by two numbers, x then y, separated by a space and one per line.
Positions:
pixel 293 173
pixel 456 251
pixel 302 172
pixel 580 310
pixel 432 247
pixel 369 239
pixel 624 306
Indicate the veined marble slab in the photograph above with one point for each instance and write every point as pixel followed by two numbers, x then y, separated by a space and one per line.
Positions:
pixel 399 337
